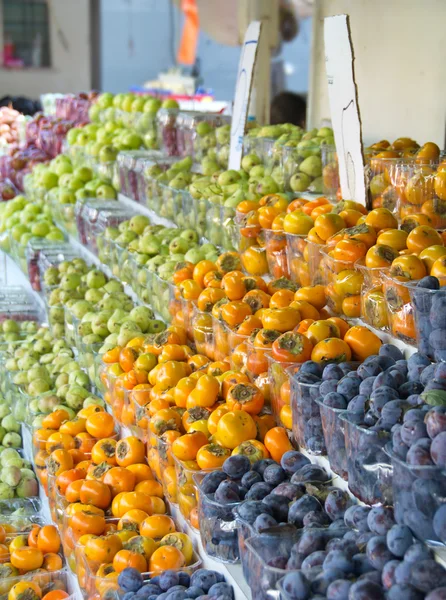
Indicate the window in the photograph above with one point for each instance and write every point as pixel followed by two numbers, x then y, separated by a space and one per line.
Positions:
pixel 26 33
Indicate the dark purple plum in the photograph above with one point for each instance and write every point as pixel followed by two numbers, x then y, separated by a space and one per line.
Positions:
pixel 366 386
pixel 417 553
pixel 315 559
pixel 349 386
pixel 316 519
pixel 365 590
pixel 358 404
pixel 437 594
pixel 332 371
pixel 435 420
pixel 227 492
pixel 292 461
pixel 211 481
pixel 264 521
pixel 130 580
pixel 380 519
pixel 296 586
pixel 399 539
pixel 338 589
pixel 356 516
pixel 320 583
pixel 439 523
pixel 260 465
pixel 236 466
pixel 250 478
pixel 426 575
pixel 335 400
pixel 336 504
pixel 310 473
pixel 251 509
pixel 388 573
pixel 391 351
pixel 292 491
pixel 438 449
pixel 204 579
pixel 260 490
pixel 327 386
pixel 274 474
pixel 311 541
pixel 362 564
pixel 419 453
pixel 411 431
pixel 301 507
pixel 279 505
pixel 377 552
pixel 404 592
pixel 339 561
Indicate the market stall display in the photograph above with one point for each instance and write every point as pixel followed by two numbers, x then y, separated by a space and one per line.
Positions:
pixel 230 370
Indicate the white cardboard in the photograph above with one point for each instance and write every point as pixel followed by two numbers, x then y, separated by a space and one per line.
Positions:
pixel 344 108
pixel 243 92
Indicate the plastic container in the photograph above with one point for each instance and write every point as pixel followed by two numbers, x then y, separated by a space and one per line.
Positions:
pixel 187 492
pixel 200 135
pixel 46 580
pixel 418 493
pixel 302 168
pixel 343 282
pixel 331 186
pixel 87 214
pixel 400 313
pixel 279 385
pixel 244 531
pixel 167 467
pixel 203 333
pixel 297 250
pixel 218 526
pixel 261 549
pixel 126 165
pixel 430 320
pixel 276 253
pixel 369 469
pixel 387 178
pixel 34 248
pixel 333 430
pixel 167 130
pixel 222 348
pixel 307 422
pixel 373 302
pixel 90 583
pixel 419 194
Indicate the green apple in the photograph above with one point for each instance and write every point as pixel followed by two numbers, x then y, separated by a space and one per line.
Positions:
pixel 170 103
pixel 84 174
pixel 105 191
pixel 107 154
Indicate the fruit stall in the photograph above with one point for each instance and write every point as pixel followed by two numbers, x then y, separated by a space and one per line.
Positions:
pixel 219 383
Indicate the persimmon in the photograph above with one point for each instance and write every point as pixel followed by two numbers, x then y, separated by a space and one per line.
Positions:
pixel 96 493
pixel 104 451
pixel 119 479
pixel 130 450
pixel 100 425
pixel 48 539
pixel 165 558
pixel 277 442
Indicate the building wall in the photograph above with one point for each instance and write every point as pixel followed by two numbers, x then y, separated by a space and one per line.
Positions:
pixel 71 68
pixel 136 44
pixel 400 66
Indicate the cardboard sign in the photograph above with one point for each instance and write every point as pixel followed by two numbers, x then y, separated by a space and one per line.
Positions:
pixel 243 92
pixel 344 109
